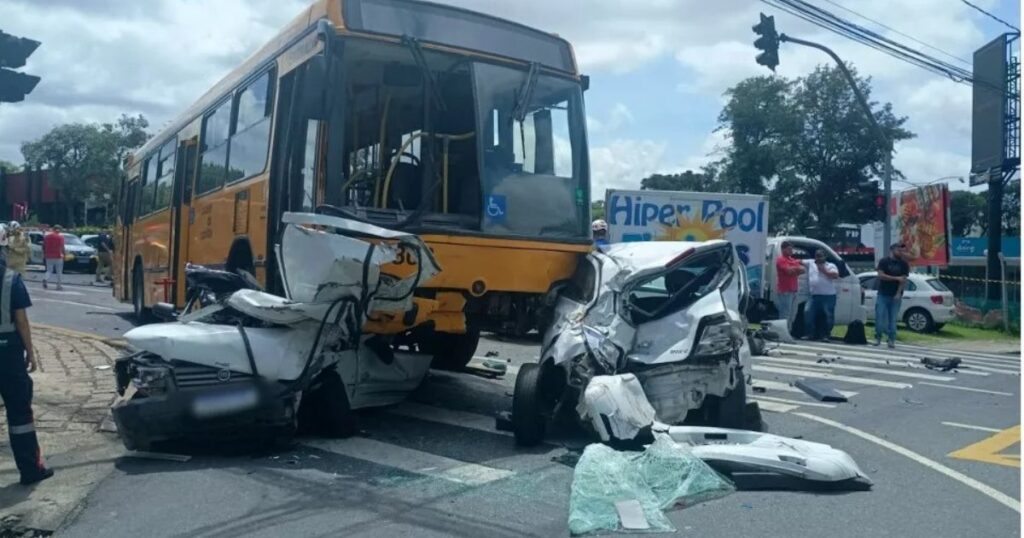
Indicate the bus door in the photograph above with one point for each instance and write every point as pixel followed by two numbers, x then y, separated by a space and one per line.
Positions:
pixel 123 248
pixel 183 179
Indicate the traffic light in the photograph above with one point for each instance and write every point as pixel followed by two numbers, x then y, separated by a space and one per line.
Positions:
pixel 871 198
pixel 768 43
pixel 14 86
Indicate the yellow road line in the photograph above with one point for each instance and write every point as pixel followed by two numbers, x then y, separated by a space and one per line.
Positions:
pixel 988 450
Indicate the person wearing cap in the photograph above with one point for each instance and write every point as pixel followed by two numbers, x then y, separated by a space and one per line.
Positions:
pixel 600 229
pixel 893 271
pixel 18 248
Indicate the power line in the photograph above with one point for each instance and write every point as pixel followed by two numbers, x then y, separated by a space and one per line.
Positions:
pixel 895 31
pixel 991 15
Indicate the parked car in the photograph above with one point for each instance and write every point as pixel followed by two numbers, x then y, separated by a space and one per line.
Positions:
pixel 927 302
pixel 35 246
pixel 659 319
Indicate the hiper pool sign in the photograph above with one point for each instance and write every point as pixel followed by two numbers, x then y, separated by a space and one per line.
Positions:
pixel 692 216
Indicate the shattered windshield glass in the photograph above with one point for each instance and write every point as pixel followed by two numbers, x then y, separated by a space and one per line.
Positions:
pixel 681 286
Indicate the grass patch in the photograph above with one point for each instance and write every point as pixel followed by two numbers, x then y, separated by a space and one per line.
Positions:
pixel 949 333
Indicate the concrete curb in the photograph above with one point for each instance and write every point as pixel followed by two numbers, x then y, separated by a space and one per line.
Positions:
pixel 118 343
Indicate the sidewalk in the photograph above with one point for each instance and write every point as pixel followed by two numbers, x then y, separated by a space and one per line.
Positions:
pixel 73 393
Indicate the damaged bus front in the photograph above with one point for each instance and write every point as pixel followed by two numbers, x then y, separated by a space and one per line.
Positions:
pixel 643 331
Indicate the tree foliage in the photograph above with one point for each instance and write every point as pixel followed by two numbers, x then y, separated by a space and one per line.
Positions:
pixel 807 143
pixel 686 181
pixel 85 160
pixel 966 212
pixel 7 166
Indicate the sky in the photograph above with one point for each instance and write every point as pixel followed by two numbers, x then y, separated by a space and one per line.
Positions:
pixel 659 68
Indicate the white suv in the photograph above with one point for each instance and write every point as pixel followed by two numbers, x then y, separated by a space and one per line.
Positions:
pixel 927 302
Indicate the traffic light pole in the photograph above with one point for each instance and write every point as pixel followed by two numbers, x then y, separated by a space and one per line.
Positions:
pixel 887 170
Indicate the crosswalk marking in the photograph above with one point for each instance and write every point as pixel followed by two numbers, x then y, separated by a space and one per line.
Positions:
pixel 792 402
pixel 801 362
pixel 786 387
pixel 915 352
pixel 968 389
pixel 972 427
pixel 451 417
pixel 835 377
pixel 859 357
pixel 775 407
pixel 411 460
pixel 886 355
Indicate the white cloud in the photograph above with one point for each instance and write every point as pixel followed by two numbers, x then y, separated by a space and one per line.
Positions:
pixel 623 163
pixel 618 117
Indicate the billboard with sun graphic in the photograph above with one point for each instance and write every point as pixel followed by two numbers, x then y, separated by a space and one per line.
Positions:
pixel 741 219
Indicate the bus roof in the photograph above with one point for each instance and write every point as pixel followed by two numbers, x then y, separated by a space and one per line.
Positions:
pixel 381 19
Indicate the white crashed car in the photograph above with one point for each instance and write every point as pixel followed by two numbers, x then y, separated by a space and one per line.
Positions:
pixel 641 329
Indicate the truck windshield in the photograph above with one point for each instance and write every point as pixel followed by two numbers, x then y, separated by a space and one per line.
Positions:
pixel 533 153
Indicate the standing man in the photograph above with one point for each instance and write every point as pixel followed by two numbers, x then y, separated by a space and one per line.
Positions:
pixel 600 229
pixel 53 257
pixel 18 249
pixel 892 278
pixel 104 256
pixel 787 270
pixel 17 360
pixel 821 276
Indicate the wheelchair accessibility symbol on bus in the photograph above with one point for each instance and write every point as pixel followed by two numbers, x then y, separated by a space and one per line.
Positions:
pixel 496 207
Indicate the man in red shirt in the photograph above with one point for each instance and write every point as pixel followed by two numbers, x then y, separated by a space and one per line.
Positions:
pixel 53 256
pixel 787 270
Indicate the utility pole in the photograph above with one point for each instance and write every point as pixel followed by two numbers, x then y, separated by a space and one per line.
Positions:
pixel 769 44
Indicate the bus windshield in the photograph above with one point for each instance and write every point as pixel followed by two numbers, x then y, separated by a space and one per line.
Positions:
pixel 451 142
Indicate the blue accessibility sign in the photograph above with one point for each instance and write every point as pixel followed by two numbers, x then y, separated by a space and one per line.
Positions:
pixel 496 209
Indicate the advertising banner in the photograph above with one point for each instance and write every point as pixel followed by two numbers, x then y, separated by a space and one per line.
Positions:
pixel 920 218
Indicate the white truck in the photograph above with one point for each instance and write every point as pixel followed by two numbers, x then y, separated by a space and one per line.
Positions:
pixel 741 219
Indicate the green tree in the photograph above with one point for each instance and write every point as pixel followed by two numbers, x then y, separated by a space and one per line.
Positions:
pixel 8 167
pixel 597 209
pixel 1011 209
pixel 686 181
pixel 966 210
pixel 85 160
pixel 807 143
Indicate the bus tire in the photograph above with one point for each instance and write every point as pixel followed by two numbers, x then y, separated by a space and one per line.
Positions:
pixel 454 351
pixel 138 294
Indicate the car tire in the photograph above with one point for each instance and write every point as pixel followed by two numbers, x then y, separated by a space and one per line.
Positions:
pixel 731 411
pixel 453 351
pixel 326 410
pixel 919 320
pixel 528 418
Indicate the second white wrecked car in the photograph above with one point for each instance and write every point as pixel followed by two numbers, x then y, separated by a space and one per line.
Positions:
pixel 664 315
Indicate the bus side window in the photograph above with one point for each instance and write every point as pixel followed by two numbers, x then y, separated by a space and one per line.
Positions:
pixel 213 162
pixel 250 137
pixel 146 201
pixel 166 174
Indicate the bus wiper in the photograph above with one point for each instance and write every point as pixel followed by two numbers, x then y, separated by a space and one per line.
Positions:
pixel 414 47
pixel 525 94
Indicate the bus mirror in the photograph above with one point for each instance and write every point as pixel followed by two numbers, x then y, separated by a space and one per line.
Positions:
pixel 314 87
pixel 585 82
pixel 402 76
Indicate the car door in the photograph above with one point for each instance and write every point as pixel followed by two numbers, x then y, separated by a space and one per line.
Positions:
pixel 913 298
pixel 35 248
pixel 869 283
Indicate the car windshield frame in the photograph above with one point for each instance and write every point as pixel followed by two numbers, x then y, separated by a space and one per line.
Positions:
pixel 686 295
pixel 72 239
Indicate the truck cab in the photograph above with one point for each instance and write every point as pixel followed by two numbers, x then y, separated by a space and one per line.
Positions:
pixel 849 297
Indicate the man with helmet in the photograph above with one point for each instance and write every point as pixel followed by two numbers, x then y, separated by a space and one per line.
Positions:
pixel 600 229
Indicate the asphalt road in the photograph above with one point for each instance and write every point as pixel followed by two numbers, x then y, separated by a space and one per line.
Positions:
pixel 436 467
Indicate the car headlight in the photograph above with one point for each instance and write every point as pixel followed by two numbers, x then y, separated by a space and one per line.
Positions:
pixel 69 257
pixel 715 340
pixel 151 380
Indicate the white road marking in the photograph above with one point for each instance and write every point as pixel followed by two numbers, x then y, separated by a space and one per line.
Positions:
pixel 914 352
pixel 834 377
pixel 451 417
pixel 793 402
pixel 836 365
pixel 991 492
pixel 969 389
pixel 893 362
pixel 87 305
pixel 59 292
pixel 775 407
pixel 968 365
pixel 785 387
pixel 411 460
pixel 971 427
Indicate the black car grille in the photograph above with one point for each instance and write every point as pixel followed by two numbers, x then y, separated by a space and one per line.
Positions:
pixel 187 376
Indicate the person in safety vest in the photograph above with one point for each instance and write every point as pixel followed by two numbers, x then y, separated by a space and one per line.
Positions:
pixel 17 360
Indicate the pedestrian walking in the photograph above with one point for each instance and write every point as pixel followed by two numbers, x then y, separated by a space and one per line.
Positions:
pixel 787 270
pixel 17 361
pixel 821 277
pixel 53 257
pixel 104 257
pixel 893 271
pixel 600 229
pixel 18 248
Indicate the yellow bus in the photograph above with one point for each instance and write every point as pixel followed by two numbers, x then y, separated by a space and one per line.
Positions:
pixel 463 128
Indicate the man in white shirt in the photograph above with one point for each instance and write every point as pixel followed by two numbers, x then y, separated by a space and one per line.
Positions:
pixel 821 277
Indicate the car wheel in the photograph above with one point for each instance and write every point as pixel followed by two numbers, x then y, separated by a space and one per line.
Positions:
pixel 919 320
pixel 326 409
pixel 528 416
pixel 453 351
pixel 732 408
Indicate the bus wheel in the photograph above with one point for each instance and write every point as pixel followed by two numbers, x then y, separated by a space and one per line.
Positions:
pixel 454 351
pixel 138 295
